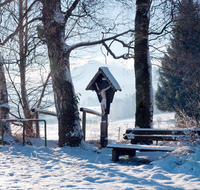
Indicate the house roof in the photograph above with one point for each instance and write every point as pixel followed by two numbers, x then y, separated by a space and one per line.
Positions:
pixel 108 76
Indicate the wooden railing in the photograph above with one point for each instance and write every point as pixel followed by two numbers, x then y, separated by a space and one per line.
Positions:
pixel 44 111
pixel 37 111
pixel 86 110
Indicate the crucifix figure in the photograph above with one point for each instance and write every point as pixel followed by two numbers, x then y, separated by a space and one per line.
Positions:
pixel 102 93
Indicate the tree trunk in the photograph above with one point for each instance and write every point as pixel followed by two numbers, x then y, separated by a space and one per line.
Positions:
pixel 144 91
pixel 4 107
pixel 70 132
pixel 22 68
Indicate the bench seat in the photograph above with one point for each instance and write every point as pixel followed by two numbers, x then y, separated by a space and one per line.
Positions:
pixel 129 149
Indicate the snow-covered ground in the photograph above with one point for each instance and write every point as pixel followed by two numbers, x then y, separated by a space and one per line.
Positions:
pixel 86 167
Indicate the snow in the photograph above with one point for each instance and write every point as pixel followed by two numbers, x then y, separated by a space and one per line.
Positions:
pixel 111 78
pixel 58 16
pixel 90 111
pixel 86 167
pixel 141 147
pixel 68 75
pixel 5 105
pixel 44 111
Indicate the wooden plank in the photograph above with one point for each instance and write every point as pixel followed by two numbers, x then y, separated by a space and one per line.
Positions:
pixel 155 138
pixel 164 131
pixel 44 111
pixel 151 137
pixel 141 147
pixel 90 111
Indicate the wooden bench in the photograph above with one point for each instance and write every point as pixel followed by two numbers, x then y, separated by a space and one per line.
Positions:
pixel 139 135
pixel 129 149
pixel 147 136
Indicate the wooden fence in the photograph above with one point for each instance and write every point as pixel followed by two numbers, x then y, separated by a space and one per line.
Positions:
pixel 84 110
pixel 37 111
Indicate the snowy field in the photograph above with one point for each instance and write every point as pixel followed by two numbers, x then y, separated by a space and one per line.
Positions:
pixel 86 167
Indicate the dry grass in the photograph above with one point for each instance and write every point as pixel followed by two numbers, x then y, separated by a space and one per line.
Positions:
pixel 184 121
pixel 17 133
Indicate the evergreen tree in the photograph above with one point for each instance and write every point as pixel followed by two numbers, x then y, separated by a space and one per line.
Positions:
pixel 178 88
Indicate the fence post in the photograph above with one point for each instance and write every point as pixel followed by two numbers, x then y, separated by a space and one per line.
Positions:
pixel 23 133
pixel 85 110
pixel 37 124
pixel 84 124
pixel 45 132
pixel 119 135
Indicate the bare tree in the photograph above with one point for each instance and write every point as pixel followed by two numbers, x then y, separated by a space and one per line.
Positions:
pixel 4 109
pixel 4 106
pixel 25 93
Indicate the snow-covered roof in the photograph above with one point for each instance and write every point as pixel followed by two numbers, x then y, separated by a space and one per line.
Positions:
pixel 108 76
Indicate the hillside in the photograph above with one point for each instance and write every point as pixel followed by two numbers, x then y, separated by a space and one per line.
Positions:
pixel 82 75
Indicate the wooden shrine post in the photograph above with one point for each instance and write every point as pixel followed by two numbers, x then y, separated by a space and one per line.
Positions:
pixel 102 80
pixel 104 130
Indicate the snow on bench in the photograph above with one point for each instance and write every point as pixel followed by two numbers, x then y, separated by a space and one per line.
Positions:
pixel 148 135
pixel 129 149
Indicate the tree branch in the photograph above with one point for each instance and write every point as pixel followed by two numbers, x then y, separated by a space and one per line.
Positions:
pixel 30 7
pixel 17 30
pixel 43 90
pixel 158 33
pixel 109 51
pixel 13 84
pixel 69 11
pixel 97 42
pixel 15 116
pixel 124 44
pixel 5 2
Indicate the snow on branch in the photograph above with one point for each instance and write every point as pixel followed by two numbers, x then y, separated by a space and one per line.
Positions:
pixel 82 44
